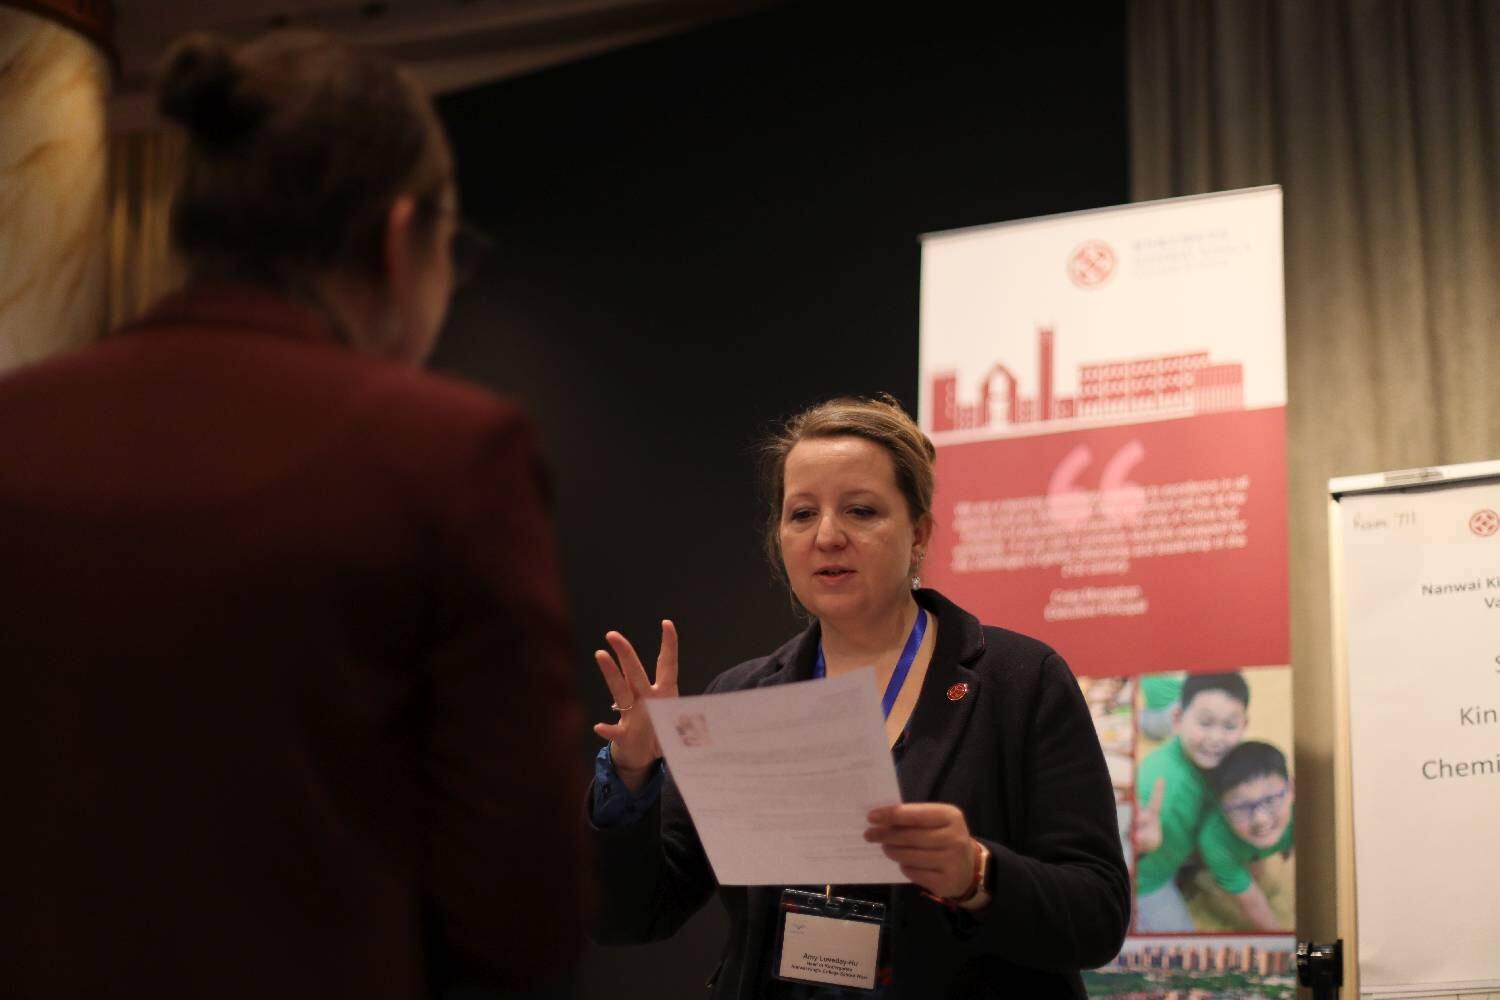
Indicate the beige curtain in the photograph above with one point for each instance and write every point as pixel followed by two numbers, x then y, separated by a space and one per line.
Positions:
pixel 53 83
pixel 143 171
pixel 1381 121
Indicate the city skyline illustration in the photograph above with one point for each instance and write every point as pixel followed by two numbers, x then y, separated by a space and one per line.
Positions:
pixel 1153 387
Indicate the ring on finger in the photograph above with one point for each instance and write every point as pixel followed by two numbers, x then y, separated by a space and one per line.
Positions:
pixel 622 709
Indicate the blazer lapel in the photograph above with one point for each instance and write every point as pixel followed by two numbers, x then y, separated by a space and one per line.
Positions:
pixel 938 722
pixel 795 660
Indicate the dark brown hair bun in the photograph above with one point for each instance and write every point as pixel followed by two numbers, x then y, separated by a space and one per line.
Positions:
pixel 204 87
pixel 298 145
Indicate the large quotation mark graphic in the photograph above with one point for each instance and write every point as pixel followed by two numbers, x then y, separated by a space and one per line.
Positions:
pixel 1119 499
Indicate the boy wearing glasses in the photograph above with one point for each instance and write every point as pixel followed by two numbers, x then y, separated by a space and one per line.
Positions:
pixel 1253 822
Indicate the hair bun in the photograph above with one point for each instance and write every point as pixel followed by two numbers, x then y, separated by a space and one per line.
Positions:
pixel 202 87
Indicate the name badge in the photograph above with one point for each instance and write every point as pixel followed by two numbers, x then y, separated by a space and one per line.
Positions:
pixel 830 940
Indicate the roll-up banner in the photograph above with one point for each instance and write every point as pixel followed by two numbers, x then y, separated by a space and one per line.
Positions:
pixel 1107 394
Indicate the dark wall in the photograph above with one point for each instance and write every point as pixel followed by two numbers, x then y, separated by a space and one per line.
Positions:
pixel 699 235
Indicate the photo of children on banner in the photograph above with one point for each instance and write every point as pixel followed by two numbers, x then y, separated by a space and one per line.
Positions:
pixel 1252 824
pixel 1212 809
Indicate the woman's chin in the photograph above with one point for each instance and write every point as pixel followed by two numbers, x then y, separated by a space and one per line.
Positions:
pixel 833 606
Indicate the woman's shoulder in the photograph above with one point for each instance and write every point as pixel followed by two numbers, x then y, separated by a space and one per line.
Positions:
pixel 754 672
pixel 439 397
pixel 1022 666
pixel 451 445
pixel 441 415
pixel 1016 644
pixel 741 676
pixel 986 646
pixel 990 648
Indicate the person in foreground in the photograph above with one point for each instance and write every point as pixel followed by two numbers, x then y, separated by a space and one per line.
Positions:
pixel 283 611
pixel 1007 828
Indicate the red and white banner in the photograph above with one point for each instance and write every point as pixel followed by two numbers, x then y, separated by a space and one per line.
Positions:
pixel 1107 394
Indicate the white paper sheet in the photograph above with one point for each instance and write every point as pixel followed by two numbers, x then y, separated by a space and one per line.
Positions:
pixel 778 780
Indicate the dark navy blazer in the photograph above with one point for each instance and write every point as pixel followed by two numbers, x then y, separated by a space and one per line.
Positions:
pixel 1018 754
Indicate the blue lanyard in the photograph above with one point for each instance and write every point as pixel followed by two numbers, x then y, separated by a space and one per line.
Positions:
pixel 903 665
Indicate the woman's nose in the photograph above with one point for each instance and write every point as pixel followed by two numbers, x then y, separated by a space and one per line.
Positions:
pixel 830 535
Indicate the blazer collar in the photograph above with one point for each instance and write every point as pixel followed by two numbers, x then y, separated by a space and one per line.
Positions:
pixel 796 658
pixel 949 692
pixel 238 307
pixel 937 723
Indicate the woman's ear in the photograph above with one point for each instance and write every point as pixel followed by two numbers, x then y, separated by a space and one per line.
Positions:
pixel 923 534
pixel 398 247
pixel 417 282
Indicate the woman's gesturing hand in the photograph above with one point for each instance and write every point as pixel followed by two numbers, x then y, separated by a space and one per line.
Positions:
pixel 931 843
pixel 633 744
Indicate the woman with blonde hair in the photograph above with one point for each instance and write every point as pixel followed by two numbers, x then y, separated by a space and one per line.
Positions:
pixel 1007 830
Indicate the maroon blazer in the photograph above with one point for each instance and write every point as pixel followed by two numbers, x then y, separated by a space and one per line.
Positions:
pixel 287 706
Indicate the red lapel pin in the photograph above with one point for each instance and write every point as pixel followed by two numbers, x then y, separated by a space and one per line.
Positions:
pixel 957 691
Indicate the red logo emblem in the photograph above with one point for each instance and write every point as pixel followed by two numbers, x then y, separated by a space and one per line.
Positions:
pixel 957 691
pixel 1091 264
pixel 1484 523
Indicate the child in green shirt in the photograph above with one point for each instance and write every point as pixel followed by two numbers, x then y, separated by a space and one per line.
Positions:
pixel 1172 792
pixel 1253 822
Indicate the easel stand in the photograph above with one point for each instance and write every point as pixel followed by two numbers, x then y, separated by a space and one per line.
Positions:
pixel 1320 967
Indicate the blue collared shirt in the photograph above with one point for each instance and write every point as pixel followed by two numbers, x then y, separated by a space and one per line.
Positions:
pixel 616 805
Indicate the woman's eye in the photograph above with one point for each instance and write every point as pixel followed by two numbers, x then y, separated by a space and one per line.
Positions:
pixel 862 511
pixel 800 514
